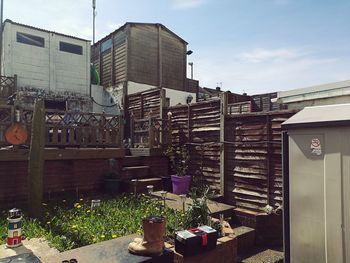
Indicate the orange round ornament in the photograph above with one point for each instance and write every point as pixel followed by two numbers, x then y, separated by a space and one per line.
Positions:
pixel 16 134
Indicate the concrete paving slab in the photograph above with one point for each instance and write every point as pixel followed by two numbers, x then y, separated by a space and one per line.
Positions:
pixel 174 201
pixel 38 246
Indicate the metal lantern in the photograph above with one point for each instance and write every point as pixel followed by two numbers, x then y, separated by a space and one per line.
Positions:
pixel 95 203
pixel 183 200
pixel 163 194
pixel 150 189
pixel 14 238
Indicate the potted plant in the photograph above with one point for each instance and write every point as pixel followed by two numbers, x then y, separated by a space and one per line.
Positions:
pixel 112 179
pixel 179 158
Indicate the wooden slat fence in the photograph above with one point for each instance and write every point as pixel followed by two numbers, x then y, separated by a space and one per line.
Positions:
pixel 68 128
pixel 7 86
pixel 253 165
pixel 198 126
pixel 148 120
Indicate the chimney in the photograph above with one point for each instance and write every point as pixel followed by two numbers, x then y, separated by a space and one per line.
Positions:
pixel 218 89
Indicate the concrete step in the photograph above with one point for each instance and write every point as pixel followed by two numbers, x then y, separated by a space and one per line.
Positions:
pixel 135 172
pixel 245 238
pixel 261 254
pixel 141 185
pixel 132 161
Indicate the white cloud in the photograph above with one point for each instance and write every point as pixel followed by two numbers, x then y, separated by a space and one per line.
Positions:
pixel 187 4
pixel 268 70
pixel 68 17
pixel 262 55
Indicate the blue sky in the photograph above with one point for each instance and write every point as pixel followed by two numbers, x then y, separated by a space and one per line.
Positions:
pixel 252 46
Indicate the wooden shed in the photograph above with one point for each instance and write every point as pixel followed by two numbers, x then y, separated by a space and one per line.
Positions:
pixel 142 54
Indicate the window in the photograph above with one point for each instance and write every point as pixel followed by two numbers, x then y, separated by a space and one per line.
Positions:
pixel 30 39
pixel 106 45
pixel 14 226
pixel 71 48
pixel 55 105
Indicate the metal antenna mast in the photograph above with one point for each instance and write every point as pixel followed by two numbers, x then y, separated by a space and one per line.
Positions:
pixel 1 32
pixel 93 24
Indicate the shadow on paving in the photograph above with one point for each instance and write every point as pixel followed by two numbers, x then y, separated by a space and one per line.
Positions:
pixel 262 255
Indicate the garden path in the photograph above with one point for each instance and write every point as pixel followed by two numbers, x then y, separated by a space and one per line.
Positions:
pixel 39 246
pixel 174 201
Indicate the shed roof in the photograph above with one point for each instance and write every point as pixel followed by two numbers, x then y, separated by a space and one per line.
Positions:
pixel 320 116
pixel 43 30
pixel 139 23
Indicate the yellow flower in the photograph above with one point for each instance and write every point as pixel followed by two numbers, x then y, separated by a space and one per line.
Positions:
pixel 114 236
pixel 78 206
pixel 81 199
pixel 103 236
pixel 88 211
pixel 74 226
pixel 48 222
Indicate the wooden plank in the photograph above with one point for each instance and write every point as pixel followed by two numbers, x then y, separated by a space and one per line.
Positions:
pixel 36 161
pixel 223 113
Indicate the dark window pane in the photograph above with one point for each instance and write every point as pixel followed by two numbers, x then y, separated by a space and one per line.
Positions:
pixel 55 105
pixel 106 45
pixel 71 48
pixel 30 39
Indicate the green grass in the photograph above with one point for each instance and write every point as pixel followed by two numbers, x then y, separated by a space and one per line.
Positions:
pixel 71 224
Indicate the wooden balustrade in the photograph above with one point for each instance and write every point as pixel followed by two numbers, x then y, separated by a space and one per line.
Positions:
pixel 7 86
pixel 151 132
pixel 68 128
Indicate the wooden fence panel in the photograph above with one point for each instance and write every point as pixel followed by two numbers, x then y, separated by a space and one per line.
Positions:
pixel 7 86
pixel 198 126
pixel 254 162
pixel 65 128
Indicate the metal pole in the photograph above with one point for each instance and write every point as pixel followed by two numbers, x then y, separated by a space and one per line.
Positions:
pixel 93 23
pixel 1 32
pixel 191 65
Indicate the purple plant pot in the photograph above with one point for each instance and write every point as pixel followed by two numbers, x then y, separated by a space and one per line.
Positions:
pixel 180 184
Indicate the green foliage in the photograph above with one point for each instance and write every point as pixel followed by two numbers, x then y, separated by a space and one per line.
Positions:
pixel 70 224
pixel 179 158
pixel 198 212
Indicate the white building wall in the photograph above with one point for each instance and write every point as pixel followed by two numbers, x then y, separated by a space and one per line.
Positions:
pixel 46 67
pixel 176 96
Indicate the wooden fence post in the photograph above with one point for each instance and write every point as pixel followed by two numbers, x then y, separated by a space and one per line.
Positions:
pixel 132 130
pixel 161 115
pixel 121 131
pixel 150 132
pixel 189 123
pixel 36 160
pixel 223 113
pixel 268 157
pixel 170 130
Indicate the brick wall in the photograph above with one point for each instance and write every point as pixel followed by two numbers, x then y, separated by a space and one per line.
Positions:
pixel 60 175
pixel 63 175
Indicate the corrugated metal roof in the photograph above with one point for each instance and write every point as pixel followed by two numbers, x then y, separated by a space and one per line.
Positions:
pixel 43 30
pixel 139 23
pixel 323 91
pixel 320 116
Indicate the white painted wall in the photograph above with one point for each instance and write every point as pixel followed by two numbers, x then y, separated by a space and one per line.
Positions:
pixel 176 96
pixel 46 67
pixel 104 101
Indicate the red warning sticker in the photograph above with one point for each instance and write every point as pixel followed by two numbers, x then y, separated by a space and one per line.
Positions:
pixel 316 147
